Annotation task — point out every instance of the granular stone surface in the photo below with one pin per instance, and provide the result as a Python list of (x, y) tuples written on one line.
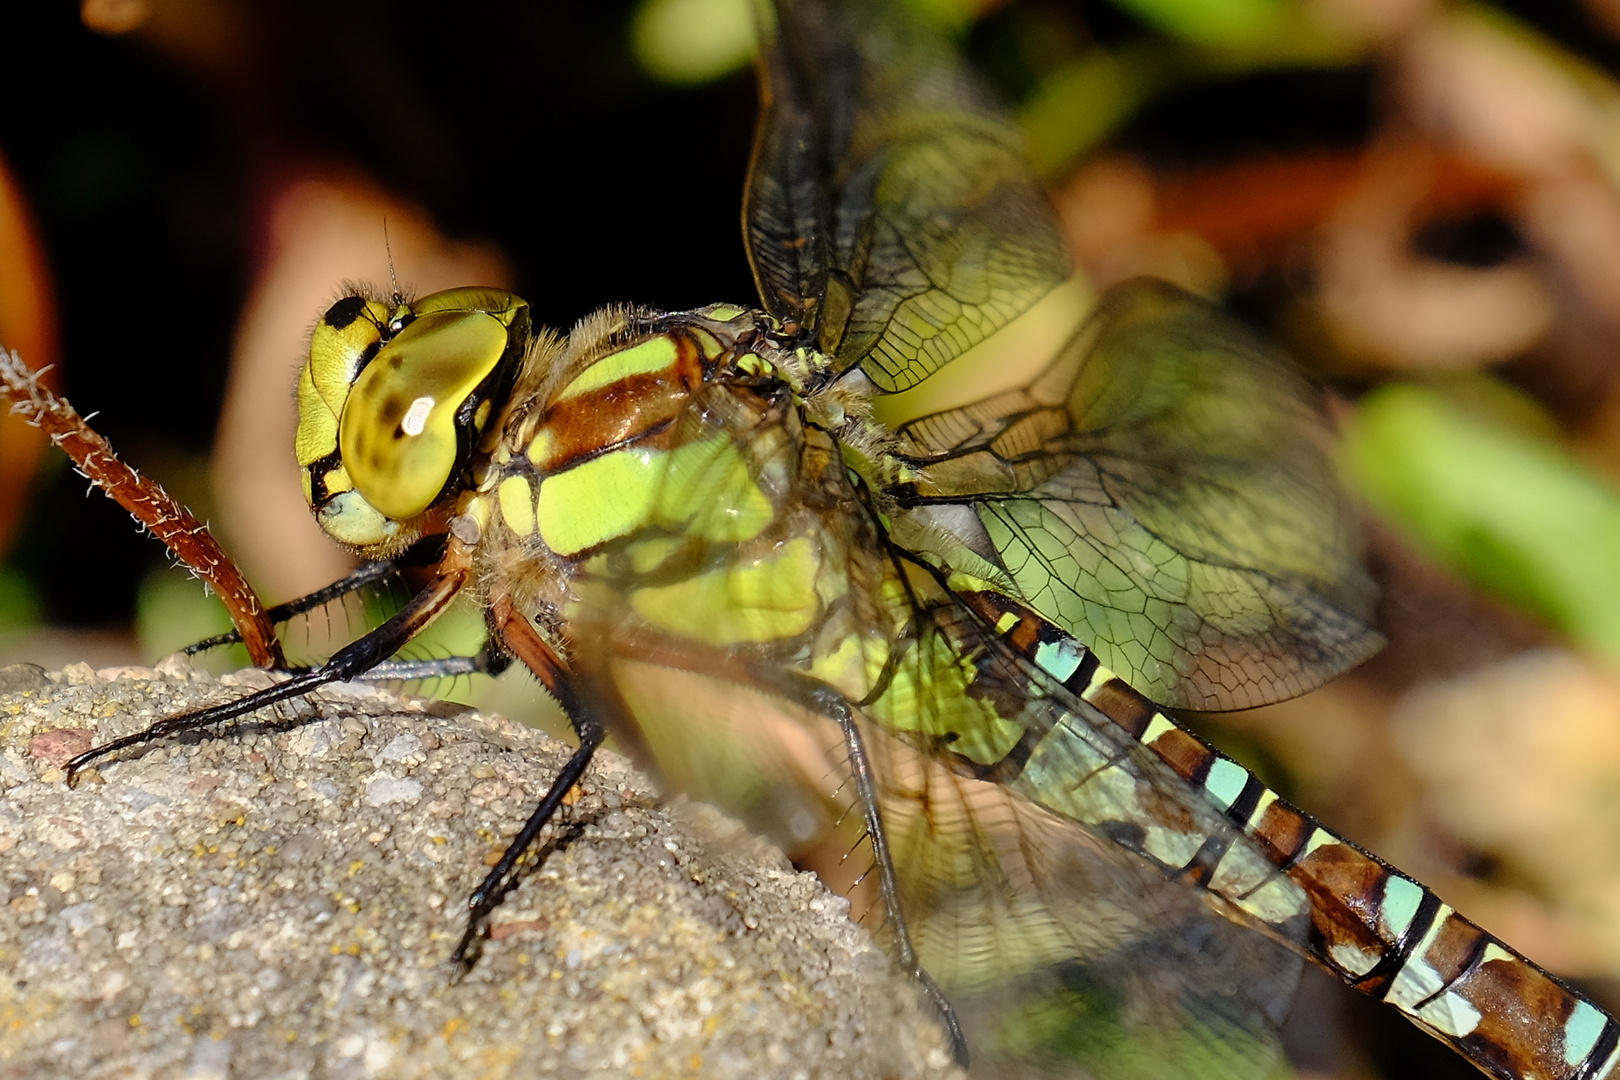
[(281, 903)]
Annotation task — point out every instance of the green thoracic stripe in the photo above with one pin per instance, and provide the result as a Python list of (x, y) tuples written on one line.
[(653, 355)]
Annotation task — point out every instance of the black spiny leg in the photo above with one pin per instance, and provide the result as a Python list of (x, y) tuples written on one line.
[(827, 701), (425, 552), (349, 662), (518, 637), (499, 881)]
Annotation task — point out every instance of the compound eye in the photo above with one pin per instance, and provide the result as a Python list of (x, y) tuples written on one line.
[(343, 339), (398, 433)]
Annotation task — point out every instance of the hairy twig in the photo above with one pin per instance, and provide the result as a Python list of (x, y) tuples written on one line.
[(153, 508)]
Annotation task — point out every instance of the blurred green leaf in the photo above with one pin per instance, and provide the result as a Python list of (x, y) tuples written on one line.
[(1084, 102), (172, 610), (1081, 103), (19, 600), (692, 41), (1210, 22), (1515, 515), (955, 16)]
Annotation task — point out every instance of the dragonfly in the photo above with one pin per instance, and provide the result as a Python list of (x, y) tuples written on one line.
[(839, 565)]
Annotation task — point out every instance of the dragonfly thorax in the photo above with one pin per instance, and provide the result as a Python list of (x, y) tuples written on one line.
[(657, 477)]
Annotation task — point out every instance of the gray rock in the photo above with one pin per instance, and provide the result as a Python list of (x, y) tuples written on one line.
[(281, 902)]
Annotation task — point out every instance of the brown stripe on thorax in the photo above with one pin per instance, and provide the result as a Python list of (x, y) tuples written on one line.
[(587, 424)]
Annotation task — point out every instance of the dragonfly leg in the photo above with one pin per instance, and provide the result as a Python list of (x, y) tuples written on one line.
[(349, 662), (830, 703), (518, 635), (423, 553), (486, 661), (493, 889)]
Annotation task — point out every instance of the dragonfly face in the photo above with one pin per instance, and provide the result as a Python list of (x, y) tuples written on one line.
[(949, 638), (393, 400)]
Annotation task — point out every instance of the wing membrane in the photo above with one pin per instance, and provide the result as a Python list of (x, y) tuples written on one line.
[(1038, 847), (890, 213), (1040, 876), (1065, 952), (1163, 492)]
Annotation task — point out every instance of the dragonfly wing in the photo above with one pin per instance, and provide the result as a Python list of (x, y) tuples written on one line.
[(890, 210), (1053, 874), (1064, 952), (1164, 493), (728, 578)]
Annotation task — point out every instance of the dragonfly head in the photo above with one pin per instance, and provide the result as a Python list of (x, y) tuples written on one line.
[(392, 401)]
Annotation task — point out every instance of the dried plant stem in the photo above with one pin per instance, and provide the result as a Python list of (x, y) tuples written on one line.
[(151, 506)]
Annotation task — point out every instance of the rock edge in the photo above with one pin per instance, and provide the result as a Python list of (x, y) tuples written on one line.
[(281, 901)]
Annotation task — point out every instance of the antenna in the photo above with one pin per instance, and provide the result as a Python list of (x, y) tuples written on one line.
[(393, 278)]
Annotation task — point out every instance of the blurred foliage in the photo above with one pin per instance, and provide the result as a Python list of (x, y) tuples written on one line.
[(693, 41), (1212, 22), (172, 610), (1512, 513), (1092, 96), (19, 601), (148, 181)]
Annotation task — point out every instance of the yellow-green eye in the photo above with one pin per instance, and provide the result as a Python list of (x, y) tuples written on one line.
[(349, 331), (392, 400), (398, 433)]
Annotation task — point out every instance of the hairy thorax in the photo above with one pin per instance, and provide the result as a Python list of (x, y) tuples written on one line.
[(666, 485)]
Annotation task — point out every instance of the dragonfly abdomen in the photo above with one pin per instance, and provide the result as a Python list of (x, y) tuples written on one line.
[(1380, 931), (1393, 938)]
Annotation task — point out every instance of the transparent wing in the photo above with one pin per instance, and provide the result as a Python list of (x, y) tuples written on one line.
[(1045, 861), (1163, 492), (890, 214), (1039, 850), (1064, 949)]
